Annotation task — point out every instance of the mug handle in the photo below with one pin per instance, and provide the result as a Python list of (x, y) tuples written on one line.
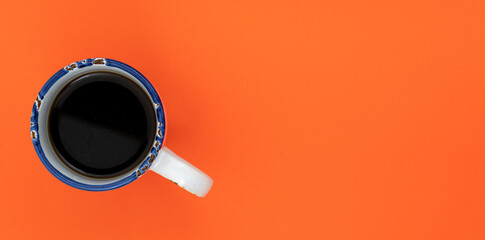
[(182, 173)]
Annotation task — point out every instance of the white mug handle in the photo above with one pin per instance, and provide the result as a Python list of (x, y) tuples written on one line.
[(182, 173)]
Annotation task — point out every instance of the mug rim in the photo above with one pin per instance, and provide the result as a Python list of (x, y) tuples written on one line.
[(137, 171)]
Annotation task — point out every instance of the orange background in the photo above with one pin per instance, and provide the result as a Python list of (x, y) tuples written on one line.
[(316, 119)]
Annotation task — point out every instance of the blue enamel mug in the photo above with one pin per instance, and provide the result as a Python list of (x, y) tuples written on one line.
[(98, 124)]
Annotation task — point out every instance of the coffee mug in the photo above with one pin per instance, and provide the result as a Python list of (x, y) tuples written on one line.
[(98, 124)]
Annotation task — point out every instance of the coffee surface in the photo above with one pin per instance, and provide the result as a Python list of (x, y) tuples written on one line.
[(102, 124)]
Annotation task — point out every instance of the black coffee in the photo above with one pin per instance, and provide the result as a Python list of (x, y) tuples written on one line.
[(102, 124)]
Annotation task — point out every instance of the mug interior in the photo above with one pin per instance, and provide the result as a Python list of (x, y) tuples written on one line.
[(40, 129)]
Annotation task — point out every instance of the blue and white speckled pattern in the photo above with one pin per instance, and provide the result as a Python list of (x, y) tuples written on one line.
[(34, 128)]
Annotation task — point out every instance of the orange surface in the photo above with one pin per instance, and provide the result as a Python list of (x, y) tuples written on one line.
[(316, 119)]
